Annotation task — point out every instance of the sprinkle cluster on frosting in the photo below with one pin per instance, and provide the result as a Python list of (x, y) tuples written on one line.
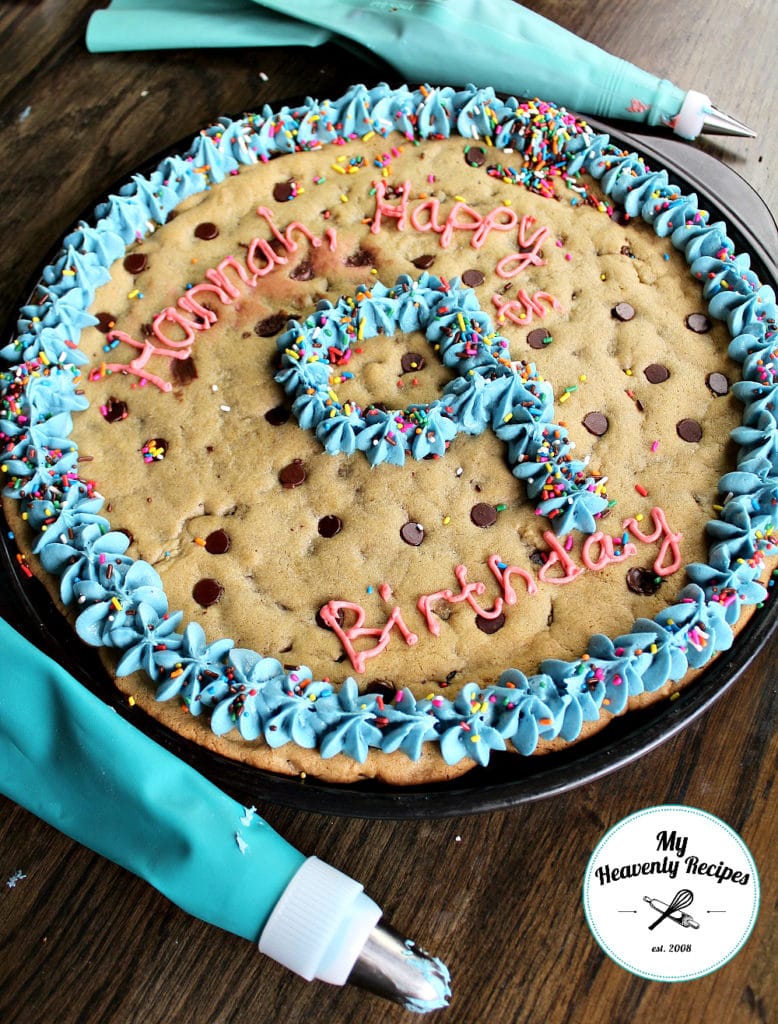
[(120, 602)]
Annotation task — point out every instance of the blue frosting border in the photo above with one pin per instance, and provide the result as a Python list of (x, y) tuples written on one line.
[(126, 608)]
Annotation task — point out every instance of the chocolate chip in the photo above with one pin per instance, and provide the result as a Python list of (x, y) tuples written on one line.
[(135, 262), (383, 688), (303, 271), (643, 581), (626, 251), (155, 449), (206, 231), (698, 323), (360, 258), (270, 325), (330, 526), (472, 278), (114, 410), (423, 262), (105, 322), (207, 592), (475, 156), (183, 371), (293, 475), (538, 338), (718, 383), (656, 373), (412, 361), (490, 626), (689, 430), (623, 311), (482, 514), (412, 534), (596, 423), (283, 191), (277, 416), (218, 542)]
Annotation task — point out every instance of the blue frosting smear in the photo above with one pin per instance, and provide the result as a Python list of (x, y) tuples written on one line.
[(435, 977), (253, 694)]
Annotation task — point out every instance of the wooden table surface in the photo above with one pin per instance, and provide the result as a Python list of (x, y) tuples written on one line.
[(496, 895)]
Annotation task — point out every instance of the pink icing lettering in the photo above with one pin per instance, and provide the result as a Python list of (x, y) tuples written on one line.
[(223, 281), (330, 613), (529, 250), (503, 573), (534, 240), (425, 603), (467, 590), (494, 221), (398, 212), (218, 285), (607, 554), (670, 541), (137, 366), (172, 316), (472, 222), (425, 216), (218, 276), (431, 207), (522, 309), (272, 258), (285, 238), (190, 305), (558, 556)]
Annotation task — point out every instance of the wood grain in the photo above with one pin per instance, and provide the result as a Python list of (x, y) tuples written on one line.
[(496, 895)]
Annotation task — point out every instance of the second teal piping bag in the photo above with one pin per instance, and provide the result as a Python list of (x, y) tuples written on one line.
[(501, 44), (172, 24), (77, 764)]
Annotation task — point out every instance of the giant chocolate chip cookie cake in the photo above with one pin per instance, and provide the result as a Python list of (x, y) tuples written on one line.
[(372, 436)]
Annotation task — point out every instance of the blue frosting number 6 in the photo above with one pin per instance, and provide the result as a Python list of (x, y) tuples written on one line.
[(489, 390)]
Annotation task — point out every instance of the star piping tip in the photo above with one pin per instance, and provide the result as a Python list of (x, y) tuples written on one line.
[(717, 122), (395, 968)]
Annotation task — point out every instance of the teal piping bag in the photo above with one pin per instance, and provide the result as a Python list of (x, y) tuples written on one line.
[(172, 24), (76, 763), (494, 43)]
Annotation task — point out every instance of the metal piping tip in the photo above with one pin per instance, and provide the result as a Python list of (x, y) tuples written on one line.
[(397, 969), (716, 122)]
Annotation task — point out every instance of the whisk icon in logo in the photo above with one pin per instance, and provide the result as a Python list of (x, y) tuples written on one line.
[(645, 875), (682, 899)]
